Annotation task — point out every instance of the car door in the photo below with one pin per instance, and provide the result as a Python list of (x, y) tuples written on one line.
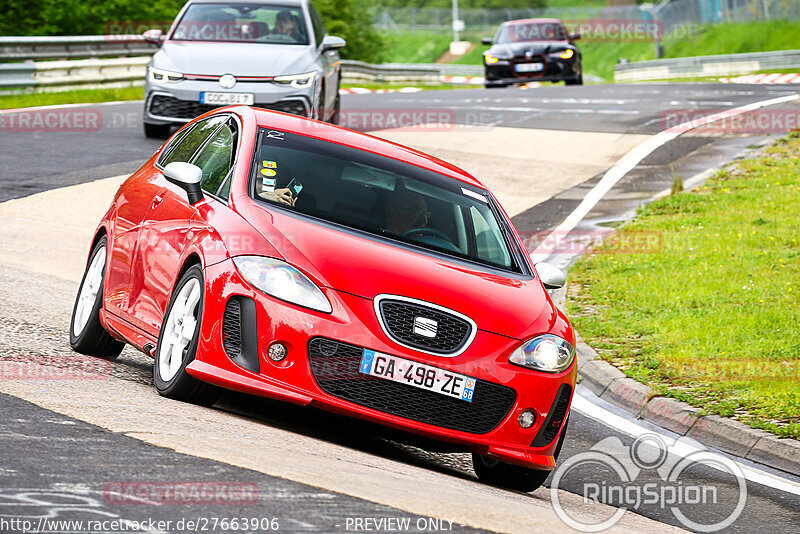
[(164, 232), (133, 207), (171, 226), (330, 64)]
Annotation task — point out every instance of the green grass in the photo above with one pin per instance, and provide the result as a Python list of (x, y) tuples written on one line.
[(599, 58), (712, 317), (418, 47), (77, 96)]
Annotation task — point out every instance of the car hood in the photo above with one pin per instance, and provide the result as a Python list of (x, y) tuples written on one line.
[(239, 59), (532, 47), (367, 267)]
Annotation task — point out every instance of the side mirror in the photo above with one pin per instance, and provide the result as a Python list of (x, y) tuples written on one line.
[(574, 37), (187, 177), (331, 42), (155, 36), (551, 277), (486, 41)]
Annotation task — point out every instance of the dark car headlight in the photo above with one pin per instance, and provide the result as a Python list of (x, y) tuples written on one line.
[(494, 60), (567, 54), (282, 281), (547, 353)]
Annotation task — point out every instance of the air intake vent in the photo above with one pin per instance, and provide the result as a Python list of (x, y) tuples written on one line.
[(335, 366), (239, 334), (423, 326), (555, 419)]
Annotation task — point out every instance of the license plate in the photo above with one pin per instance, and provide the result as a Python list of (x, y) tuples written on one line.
[(247, 99), (417, 374), (529, 67)]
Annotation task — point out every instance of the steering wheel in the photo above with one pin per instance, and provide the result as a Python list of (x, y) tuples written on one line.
[(426, 231)]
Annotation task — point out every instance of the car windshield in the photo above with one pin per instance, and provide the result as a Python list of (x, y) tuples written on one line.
[(255, 23), (379, 195), (520, 32)]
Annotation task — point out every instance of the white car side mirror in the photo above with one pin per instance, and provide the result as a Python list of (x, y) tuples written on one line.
[(552, 277)]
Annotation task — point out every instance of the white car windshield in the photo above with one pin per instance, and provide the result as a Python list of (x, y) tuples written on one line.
[(255, 23)]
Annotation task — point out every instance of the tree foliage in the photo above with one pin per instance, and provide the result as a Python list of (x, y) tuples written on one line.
[(349, 19)]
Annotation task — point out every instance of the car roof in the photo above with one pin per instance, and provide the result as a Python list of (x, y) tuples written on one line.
[(361, 141), (265, 2)]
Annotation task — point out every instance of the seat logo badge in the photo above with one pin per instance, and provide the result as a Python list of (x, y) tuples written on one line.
[(425, 327), (227, 81)]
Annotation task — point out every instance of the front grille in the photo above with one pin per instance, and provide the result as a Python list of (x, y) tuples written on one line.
[(175, 108), (232, 328), (335, 366), (398, 318), (533, 59), (555, 418)]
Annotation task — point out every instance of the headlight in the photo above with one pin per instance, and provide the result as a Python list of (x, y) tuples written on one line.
[(163, 76), (282, 281), (490, 60), (298, 81), (568, 53), (544, 353)]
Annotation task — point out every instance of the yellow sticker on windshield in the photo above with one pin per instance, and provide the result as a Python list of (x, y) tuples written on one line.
[(267, 172), (269, 164)]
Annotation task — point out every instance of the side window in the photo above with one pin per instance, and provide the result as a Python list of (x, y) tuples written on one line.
[(216, 157), (316, 23), (186, 146)]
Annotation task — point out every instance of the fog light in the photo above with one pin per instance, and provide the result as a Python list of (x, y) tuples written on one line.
[(277, 352), (526, 419)]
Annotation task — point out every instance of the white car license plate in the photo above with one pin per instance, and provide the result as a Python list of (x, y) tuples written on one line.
[(418, 375), (247, 99), (529, 67)]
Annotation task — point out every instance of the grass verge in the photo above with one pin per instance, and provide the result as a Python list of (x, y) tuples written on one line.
[(76, 96), (712, 317)]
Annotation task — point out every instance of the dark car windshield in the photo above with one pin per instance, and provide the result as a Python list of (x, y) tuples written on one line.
[(379, 195), (256, 23), (520, 32)]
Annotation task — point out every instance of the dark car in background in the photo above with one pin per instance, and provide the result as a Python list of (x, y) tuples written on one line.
[(272, 54), (532, 50)]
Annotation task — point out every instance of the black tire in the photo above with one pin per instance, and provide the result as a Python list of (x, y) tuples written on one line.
[(337, 106), (182, 386), (576, 81), (157, 131), (515, 477), (93, 340)]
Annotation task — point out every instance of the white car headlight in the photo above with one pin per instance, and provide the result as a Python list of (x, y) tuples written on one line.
[(282, 281), (544, 353), (298, 81), (163, 76)]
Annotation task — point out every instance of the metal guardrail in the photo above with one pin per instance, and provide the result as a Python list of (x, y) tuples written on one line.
[(99, 60), (83, 46), (700, 66)]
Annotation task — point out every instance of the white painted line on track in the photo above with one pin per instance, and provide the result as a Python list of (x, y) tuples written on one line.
[(683, 449), (630, 160)]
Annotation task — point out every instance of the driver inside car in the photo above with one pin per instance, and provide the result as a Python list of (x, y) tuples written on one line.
[(406, 211), (271, 174)]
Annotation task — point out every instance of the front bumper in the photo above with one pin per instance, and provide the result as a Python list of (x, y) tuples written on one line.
[(179, 102), (554, 70), (331, 380)]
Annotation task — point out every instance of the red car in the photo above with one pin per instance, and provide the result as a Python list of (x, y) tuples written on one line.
[(280, 256)]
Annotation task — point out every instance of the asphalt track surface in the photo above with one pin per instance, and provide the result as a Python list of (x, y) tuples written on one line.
[(76, 454)]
